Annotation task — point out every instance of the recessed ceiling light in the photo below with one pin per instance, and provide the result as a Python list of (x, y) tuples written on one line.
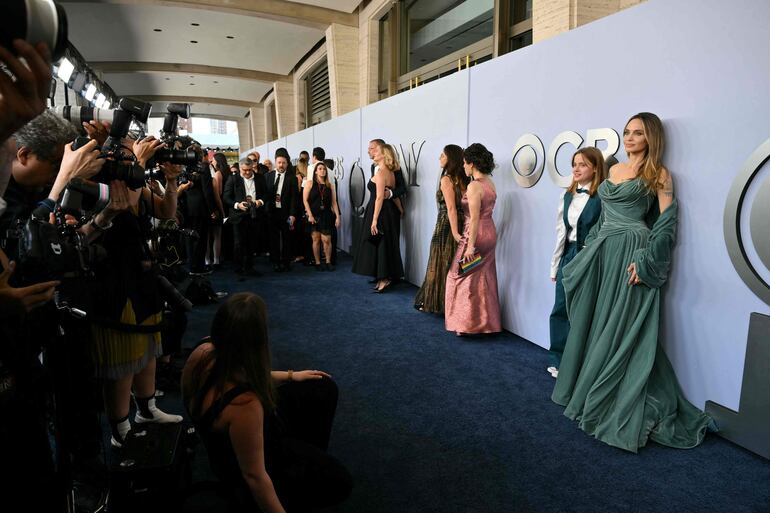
[(230, 37), (168, 78), (191, 83), (195, 24), (216, 81), (193, 41), (157, 30)]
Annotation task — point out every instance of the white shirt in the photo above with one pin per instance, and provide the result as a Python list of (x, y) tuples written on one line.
[(279, 187), (576, 207)]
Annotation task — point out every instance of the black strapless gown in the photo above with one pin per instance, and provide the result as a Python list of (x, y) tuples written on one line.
[(381, 259)]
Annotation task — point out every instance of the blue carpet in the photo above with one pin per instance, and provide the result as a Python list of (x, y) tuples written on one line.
[(430, 422)]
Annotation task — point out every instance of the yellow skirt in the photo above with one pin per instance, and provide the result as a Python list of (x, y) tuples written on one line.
[(117, 354)]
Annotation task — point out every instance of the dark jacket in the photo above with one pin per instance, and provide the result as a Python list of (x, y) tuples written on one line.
[(290, 199), (235, 191)]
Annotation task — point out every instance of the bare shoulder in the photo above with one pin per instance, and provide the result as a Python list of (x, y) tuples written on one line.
[(615, 169), (446, 182)]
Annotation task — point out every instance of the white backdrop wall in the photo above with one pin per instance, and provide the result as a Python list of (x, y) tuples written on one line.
[(341, 139), (709, 87)]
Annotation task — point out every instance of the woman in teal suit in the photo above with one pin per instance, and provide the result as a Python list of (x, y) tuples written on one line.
[(579, 209), (615, 378)]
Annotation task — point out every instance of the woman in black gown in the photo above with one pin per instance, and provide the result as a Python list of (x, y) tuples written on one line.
[(378, 254)]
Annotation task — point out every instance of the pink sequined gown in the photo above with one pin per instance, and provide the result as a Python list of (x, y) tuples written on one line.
[(472, 304)]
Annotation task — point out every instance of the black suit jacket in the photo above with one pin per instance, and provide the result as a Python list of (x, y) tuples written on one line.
[(200, 197), (400, 188), (235, 191), (290, 199)]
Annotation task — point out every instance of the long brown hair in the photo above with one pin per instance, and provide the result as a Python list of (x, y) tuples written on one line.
[(595, 159), (454, 167), (241, 353), (651, 165), (327, 182)]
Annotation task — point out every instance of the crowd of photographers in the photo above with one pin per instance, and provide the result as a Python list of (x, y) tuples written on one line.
[(86, 292)]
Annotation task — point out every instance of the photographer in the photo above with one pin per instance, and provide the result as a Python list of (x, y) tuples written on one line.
[(127, 311), (244, 197), (201, 210), (24, 389)]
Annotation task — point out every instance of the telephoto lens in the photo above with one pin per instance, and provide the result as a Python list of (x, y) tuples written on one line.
[(79, 115), (35, 21)]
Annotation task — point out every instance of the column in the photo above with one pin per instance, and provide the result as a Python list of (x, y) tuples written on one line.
[(552, 17), (342, 56), (257, 123), (284, 108)]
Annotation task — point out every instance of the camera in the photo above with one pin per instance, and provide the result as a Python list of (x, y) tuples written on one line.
[(118, 166), (35, 21), (173, 112), (251, 206)]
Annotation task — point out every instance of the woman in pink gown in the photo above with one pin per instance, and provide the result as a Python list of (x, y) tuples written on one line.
[(472, 304)]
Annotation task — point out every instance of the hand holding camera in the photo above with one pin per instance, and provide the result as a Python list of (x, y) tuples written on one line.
[(16, 300), (23, 100), (97, 130), (146, 148)]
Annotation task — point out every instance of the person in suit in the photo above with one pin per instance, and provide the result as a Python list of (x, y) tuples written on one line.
[(282, 202), (245, 200), (579, 209)]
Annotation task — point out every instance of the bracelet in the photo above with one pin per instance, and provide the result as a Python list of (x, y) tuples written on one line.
[(290, 373)]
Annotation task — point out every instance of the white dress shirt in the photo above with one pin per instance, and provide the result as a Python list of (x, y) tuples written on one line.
[(576, 207), (278, 187)]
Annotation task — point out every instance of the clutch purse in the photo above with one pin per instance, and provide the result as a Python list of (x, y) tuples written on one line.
[(466, 267), (375, 239)]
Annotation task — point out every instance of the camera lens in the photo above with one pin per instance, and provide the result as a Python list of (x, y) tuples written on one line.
[(35, 21)]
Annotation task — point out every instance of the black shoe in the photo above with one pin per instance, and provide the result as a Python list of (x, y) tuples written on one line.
[(374, 280), (328, 267), (318, 267)]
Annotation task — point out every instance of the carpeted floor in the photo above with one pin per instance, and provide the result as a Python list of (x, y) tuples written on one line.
[(430, 422)]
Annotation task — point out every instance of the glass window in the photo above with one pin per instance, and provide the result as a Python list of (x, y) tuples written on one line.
[(433, 29), (520, 41), (521, 10), (385, 55)]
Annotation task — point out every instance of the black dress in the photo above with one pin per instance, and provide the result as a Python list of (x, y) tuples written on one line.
[(296, 437), (379, 258), (321, 206)]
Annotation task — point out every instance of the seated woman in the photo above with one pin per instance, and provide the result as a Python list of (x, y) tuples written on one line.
[(266, 443)]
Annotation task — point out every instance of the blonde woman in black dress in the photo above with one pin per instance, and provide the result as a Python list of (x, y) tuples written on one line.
[(446, 234)]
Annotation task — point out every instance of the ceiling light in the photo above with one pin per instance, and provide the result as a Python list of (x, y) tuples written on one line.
[(100, 101), (230, 37), (90, 92), (191, 83), (195, 24), (157, 30), (194, 42), (65, 70), (168, 78), (216, 81)]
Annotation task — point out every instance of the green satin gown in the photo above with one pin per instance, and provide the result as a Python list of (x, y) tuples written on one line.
[(615, 378)]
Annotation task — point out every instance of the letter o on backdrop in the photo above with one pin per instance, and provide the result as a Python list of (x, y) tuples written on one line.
[(528, 160)]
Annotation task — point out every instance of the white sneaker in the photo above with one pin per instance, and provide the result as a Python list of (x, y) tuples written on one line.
[(158, 415), (553, 371), (115, 443)]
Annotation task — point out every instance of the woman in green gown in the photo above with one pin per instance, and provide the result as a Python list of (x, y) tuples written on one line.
[(615, 378)]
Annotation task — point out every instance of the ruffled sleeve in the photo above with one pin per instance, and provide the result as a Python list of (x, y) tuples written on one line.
[(654, 261)]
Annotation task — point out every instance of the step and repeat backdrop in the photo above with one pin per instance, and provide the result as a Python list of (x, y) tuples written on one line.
[(702, 65)]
